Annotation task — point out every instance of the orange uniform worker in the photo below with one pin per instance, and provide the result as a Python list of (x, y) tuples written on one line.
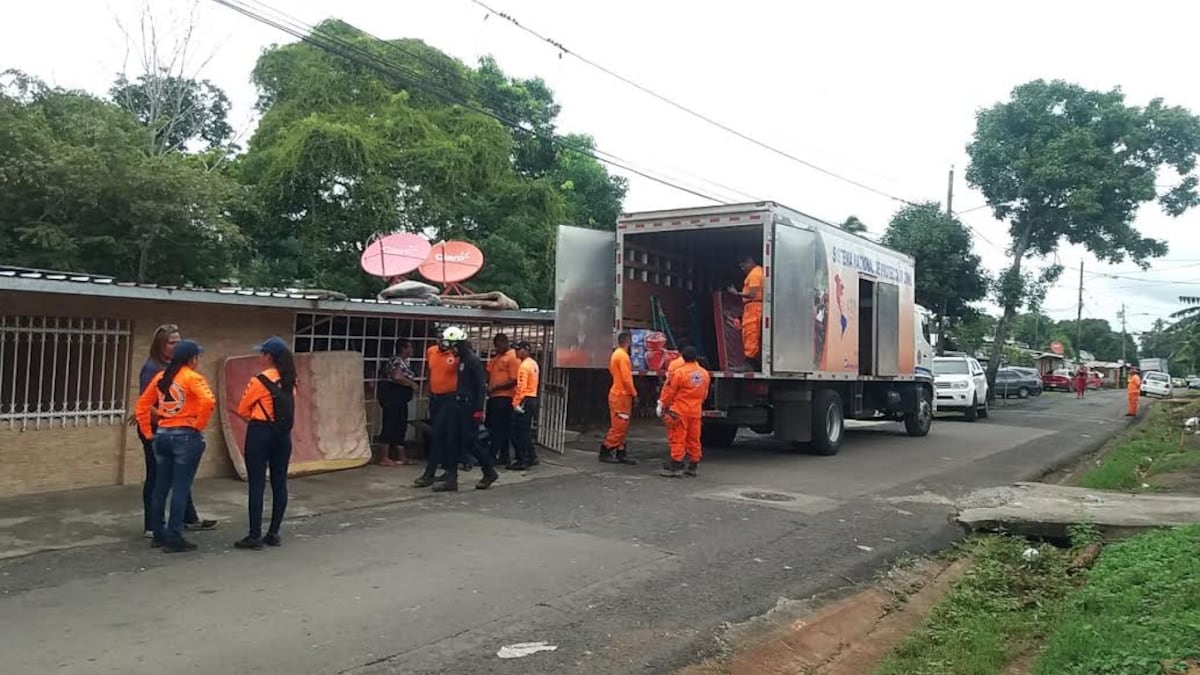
[(752, 309), (1132, 391), (441, 373), (525, 408), (681, 407), (620, 403), (181, 403), (502, 371), (269, 407)]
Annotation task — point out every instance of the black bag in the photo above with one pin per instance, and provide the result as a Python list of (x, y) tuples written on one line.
[(284, 403)]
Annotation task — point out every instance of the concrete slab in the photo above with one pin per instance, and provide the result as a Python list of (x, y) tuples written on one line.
[(308, 607), (1042, 510)]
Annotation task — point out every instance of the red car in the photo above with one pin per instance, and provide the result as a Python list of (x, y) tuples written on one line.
[(1059, 379), (1094, 380)]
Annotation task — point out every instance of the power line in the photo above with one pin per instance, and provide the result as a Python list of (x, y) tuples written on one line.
[(685, 109), (339, 47)]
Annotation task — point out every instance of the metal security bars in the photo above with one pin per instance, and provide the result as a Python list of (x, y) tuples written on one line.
[(375, 337), (63, 371)]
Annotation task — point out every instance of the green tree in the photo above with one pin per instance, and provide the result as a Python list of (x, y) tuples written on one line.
[(347, 149), (178, 111), (854, 225), (79, 190), (949, 274), (969, 334), (1060, 162), (1033, 329)]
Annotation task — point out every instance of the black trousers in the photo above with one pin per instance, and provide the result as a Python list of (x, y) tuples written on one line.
[(458, 440), (266, 448), (395, 416), (189, 515), (435, 452), (523, 432), (500, 427)]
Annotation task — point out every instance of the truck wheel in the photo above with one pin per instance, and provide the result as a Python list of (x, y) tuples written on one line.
[(715, 435), (828, 422), (918, 422), (972, 410)]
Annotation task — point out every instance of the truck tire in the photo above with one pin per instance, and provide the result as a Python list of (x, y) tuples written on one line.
[(972, 410), (918, 422), (828, 422), (715, 435)]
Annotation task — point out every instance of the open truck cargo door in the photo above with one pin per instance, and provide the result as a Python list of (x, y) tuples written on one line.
[(585, 291), (798, 314)]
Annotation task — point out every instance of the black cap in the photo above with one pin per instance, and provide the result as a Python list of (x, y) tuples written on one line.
[(522, 346)]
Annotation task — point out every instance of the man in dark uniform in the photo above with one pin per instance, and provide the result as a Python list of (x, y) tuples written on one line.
[(462, 418)]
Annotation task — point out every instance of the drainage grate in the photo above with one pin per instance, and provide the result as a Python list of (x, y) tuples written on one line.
[(767, 496)]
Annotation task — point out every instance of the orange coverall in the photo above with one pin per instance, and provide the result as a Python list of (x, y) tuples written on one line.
[(620, 399), (683, 405), (1132, 391), (752, 312)]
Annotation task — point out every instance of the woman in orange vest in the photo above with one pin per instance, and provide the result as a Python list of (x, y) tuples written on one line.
[(179, 401), (269, 408), (525, 408)]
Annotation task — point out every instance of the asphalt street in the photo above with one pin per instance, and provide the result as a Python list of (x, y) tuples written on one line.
[(620, 570)]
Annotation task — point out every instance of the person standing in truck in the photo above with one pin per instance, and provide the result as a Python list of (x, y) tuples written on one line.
[(752, 310), (621, 397), (681, 407)]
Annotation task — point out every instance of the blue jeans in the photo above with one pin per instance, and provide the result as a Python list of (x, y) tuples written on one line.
[(177, 453)]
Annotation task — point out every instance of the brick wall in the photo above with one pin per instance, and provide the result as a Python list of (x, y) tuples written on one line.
[(57, 459)]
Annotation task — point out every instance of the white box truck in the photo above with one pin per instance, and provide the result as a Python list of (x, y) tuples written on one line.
[(842, 337)]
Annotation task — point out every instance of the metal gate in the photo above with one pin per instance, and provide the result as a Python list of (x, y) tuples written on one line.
[(552, 422)]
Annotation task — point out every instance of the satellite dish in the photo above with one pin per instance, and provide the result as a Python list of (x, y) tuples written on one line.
[(395, 255), (452, 262)]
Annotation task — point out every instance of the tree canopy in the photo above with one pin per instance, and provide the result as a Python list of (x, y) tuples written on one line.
[(949, 273), (1061, 162), (346, 150), (80, 190)]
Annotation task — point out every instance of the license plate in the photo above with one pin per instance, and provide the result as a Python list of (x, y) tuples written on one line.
[(719, 414)]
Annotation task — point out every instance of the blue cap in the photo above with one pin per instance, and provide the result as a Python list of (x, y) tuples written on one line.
[(186, 350), (273, 346)]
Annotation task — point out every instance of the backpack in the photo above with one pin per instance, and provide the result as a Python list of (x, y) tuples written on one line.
[(284, 403)]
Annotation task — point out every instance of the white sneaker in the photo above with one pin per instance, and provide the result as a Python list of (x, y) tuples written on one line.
[(148, 534)]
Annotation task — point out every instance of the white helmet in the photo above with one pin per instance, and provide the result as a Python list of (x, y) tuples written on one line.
[(453, 335)]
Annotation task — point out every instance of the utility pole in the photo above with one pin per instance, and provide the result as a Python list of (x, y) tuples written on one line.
[(940, 347), (1124, 341), (1079, 318)]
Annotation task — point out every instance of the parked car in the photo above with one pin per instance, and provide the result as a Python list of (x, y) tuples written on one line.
[(1062, 380), (1094, 380), (1178, 383), (1019, 383), (962, 385), (1193, 381), (1155, 383)]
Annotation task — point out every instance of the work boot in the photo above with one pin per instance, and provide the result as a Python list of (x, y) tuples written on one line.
[(445, 486), (672, 470), (689, 469), (623, 458), (424, 481), (489, 476), (606, 455)]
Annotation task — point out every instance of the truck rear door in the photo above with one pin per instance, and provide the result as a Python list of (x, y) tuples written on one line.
[(585, 293)]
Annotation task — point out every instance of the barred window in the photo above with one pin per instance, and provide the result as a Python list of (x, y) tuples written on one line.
[(63, 371)]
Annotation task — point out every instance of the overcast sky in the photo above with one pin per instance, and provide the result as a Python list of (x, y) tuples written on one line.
[(882, 92)]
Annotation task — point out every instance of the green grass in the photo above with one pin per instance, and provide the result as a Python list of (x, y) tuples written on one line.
[(1141, 606), (1150, 449), (1002, 605)]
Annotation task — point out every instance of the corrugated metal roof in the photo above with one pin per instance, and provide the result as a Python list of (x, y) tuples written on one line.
[(23, 279)]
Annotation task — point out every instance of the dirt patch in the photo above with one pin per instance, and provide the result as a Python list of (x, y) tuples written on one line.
[(848, 636)]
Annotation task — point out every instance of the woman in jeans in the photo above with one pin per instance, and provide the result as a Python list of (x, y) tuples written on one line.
[(268, 406), (181, 401), (162, 347)]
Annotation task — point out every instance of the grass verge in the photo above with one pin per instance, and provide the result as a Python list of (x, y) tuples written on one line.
[(1152, 449), (1004, 604), (1138, 613)]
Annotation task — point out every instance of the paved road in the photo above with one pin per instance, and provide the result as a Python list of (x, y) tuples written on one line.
[(622, 570)]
